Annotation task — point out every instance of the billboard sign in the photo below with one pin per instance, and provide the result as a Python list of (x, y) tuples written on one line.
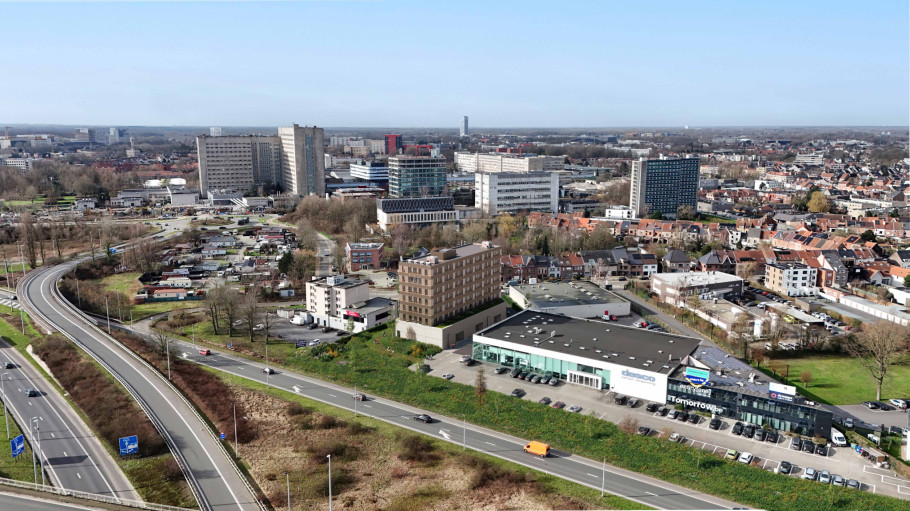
[(697, 377), (784, 393)]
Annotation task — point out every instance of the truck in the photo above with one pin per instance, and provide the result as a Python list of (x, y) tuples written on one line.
[(538, 448)]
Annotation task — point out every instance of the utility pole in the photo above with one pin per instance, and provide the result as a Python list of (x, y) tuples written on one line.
[(193, 327), (603, 480), (464, 432), (288, 477), (167, 349), (78, 294), (267, 369), (236, 452), (5, 418), (37, 429), (22, 320), (329, 456), (107, 311), (355, 400)]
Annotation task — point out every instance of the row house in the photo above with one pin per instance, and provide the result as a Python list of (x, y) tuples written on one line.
[(521, 268)]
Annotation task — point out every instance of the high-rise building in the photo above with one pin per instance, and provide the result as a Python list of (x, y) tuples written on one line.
[(662, 186), (85, 135), (513, 192), (464, 126), (495, 162), (370, 171), (448, 282), (416, 176), (241, 163), (302, 160), (117, 135), (393, 144), (215, 131)]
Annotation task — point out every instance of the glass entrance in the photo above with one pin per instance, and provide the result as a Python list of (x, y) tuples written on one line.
[(585, 379)]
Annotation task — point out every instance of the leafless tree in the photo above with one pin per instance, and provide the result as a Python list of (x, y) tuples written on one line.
[(213, 306), (29, 235), (805, 377), (877, 347), (628, 424), (480, 387), (249, 311), (230, 306), (267, 322)]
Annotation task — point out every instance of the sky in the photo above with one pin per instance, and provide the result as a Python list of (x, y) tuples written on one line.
[(398, 63)]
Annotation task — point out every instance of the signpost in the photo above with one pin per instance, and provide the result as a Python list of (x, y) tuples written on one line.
[(17, 445), (129, 445), (697, 377), (222, 435), (299, 344)]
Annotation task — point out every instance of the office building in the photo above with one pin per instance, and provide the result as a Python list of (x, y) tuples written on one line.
[(449, 294), (393, 144), (117, 135), (496, 162), (579, 299), (816, 159), (416, 176), (791, 279), (23, 164), (182, 196), (676, 288), (363, 256), (513, 192), (215, 131), (85, 135), (345, 304), (372, 171), (463, 131), (302, 160), (421, 211), (662, 186), (242, 163)]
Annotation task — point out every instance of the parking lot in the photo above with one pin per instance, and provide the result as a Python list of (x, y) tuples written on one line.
[(283, 329), (839, 460)]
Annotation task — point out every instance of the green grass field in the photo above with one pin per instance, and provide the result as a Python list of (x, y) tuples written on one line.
[(126, 283), (150, 309), (13, 268), (840, 380), (19, 468)]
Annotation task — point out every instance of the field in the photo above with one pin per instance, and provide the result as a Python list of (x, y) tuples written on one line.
[(840, 380), (379, 466), (126, 283)]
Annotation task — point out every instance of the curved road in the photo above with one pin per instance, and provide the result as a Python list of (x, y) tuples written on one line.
[(211, 472)]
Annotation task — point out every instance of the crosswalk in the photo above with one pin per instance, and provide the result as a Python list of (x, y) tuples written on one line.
[(5, 302)]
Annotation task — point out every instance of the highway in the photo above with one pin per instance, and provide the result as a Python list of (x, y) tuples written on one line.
[(210, 471), (30, 503), (642, 489)]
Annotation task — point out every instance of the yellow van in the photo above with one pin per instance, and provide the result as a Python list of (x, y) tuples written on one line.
[(538, 448)]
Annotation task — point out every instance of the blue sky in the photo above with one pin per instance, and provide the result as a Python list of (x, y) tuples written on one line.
[(505, 64)]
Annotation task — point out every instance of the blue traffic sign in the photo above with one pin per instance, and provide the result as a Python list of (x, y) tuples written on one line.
[(222, 435), (113, 250), (129, 445), (17, 445)]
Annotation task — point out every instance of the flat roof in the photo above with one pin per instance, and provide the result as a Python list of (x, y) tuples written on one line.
[(696, 278), (460, 251), (596, 340), (734, 372), (563, 294)]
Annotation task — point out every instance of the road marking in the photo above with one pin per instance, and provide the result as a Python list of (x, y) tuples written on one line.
[(65, 454), (649, 493), (333, 395), (490, 443), (592, 475), (53, 436), (78, 475), (367, 406)]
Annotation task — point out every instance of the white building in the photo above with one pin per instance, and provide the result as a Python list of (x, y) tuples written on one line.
[(618, 213), (791, 279), (676, 288), (302, 160), (84, 204), (513, 192), (506, 162), (421, 211), (215, 131), (370, 171), (183, 196), (810, 159), (23, 164), (340, 303), (578, 299)]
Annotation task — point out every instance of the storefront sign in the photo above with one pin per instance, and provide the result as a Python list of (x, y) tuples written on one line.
[(784, 393), (353, 314), (697, 377), (696, 404)]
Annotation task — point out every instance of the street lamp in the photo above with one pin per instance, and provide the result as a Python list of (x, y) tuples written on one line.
[(5, 418), (267, 369), (236, 452), (167, 351), (288, 477), (464, 432), (329, 456), (37, 429)]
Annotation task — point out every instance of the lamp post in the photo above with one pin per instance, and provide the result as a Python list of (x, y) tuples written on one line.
[(329, 456), (603, 480), (267, 369), (288, 477), (464, 432), (107, 311), (167, 351), (5, 418), (193, 327), (234, 407), (355, 400), (37, 430), (22, 320)]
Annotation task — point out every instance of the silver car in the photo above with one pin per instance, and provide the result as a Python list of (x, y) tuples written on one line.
[(824, 477), (574, 408)]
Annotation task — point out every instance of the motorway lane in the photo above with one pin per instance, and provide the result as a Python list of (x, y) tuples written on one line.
[(74, 457), (221, 487), (627, 484), (9, 501)]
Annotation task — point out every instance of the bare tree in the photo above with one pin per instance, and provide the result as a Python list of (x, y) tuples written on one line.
[(29, 235), (249, 312), (230, 306), (267, 322), (480, 387), (805, 377), (213, 305), (628, 424), (877, 347)]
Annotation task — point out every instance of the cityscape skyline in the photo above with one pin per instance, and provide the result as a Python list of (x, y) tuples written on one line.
[(796, 69)]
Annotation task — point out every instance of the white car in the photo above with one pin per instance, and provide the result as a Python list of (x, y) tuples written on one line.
[(316, 342), (810, 474), (824, 477), (900, 404), (745, 458), (676, 437), (448, 376)]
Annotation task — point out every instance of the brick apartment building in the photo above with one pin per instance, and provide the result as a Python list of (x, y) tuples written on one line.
[(363, 256)]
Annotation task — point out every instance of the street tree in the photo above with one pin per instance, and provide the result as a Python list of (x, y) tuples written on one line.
[(877, 347), (249, 312), (818, 203), (213, 305), (480, 387), (230, 306)]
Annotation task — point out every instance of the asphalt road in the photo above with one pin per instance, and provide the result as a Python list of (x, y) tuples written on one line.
[(23, 503), (627, 484), (212, 472), (73, 457), (325, 254)]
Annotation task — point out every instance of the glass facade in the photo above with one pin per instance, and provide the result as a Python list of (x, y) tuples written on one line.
[(539, 364), (792, 417)]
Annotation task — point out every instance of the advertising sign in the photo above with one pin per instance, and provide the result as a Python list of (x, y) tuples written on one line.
[(353, 314), (780, 392), (697, 377)]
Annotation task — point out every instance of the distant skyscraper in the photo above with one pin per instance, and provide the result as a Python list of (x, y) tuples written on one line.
[(133, 151), (662, 186), (416, 176), (215, 131), (392, 144), (464, 126), (239, 163), (302, 160), (85, 135), (117, 135)]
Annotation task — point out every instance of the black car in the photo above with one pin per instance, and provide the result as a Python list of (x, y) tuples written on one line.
[(10, 365), (535, 379), (821, 450), (714, 424), (772, 437), (31, 392), (738, 428), (544, 401), (423, 418), (683, 416), (644, 431), (663, 411), (633, 403), (785, 467), (515, 372), (500, 370), (760, 435), (522, 375), (749, 431), (620, 399), (796, 444), (694, 418), (528, 377), (652, 407), (884, 406), (808, 447), (518, 393), (424, 368), (554, 381), (544, 380)]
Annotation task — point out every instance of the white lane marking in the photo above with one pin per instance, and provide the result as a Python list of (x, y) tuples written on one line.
[(649, 493), (367, 406), (78, 475), (53, 435), (592, 475), (65, 454), (490, 443), (444, 434), (333, 395)]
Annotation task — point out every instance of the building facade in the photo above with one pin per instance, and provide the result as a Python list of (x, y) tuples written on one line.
[(393, 144), (241, 163), (497, 162), (416, 176), (463, 129), (370, 171), (363, 256), (421, 211), (302, 160), (345, 304), (676, 288), (662, 186), (791, 279), (513, 192)]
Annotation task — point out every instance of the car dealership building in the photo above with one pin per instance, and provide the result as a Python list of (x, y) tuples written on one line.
[(647, 365)]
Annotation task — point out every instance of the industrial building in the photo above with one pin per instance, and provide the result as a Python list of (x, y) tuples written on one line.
[(578, 299)]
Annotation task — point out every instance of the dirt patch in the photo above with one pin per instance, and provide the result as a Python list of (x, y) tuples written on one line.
[(374, 469)]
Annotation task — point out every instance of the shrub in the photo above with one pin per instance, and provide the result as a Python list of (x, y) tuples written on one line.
[(417, 448)]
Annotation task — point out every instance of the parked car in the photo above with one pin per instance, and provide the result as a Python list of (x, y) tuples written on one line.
[(897, 403), (731, 455), (824, 477), (672, 414), (676, 438), (554, 381), (559, 405), (536, 379), (663, 411), (544, 401), (652, 407), (620, 399), (694, 418), (448, 376), (633, 403), (785, 467), (884, 406), (745, 458), (749, 431), (837, 480), (853, 483), (760, 435), (683, 416), (821, 450), (810, 473), (515, 372), (500, 370), (796, 444), (808, 446), (870, 405), (423, 418), (644, 430), (738, 428), (848, 423), (773, 437), (574, 408), (714, 424), (518, 393)]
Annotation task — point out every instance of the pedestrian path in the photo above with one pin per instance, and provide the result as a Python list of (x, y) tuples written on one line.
[(5, 302)]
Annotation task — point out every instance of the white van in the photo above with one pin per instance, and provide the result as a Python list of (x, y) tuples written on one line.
[(838, 438), (299, 320)]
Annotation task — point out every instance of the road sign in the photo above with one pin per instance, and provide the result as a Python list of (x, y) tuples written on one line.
[(697, 377), (129, 445), (17, 445), (230, 345), (222, 435), (113, 250)]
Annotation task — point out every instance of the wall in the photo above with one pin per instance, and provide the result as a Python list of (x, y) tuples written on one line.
[(445, 338)]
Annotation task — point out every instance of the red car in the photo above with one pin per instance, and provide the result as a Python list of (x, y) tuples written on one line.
[(612, 318), (205, 352), (558, 405)]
